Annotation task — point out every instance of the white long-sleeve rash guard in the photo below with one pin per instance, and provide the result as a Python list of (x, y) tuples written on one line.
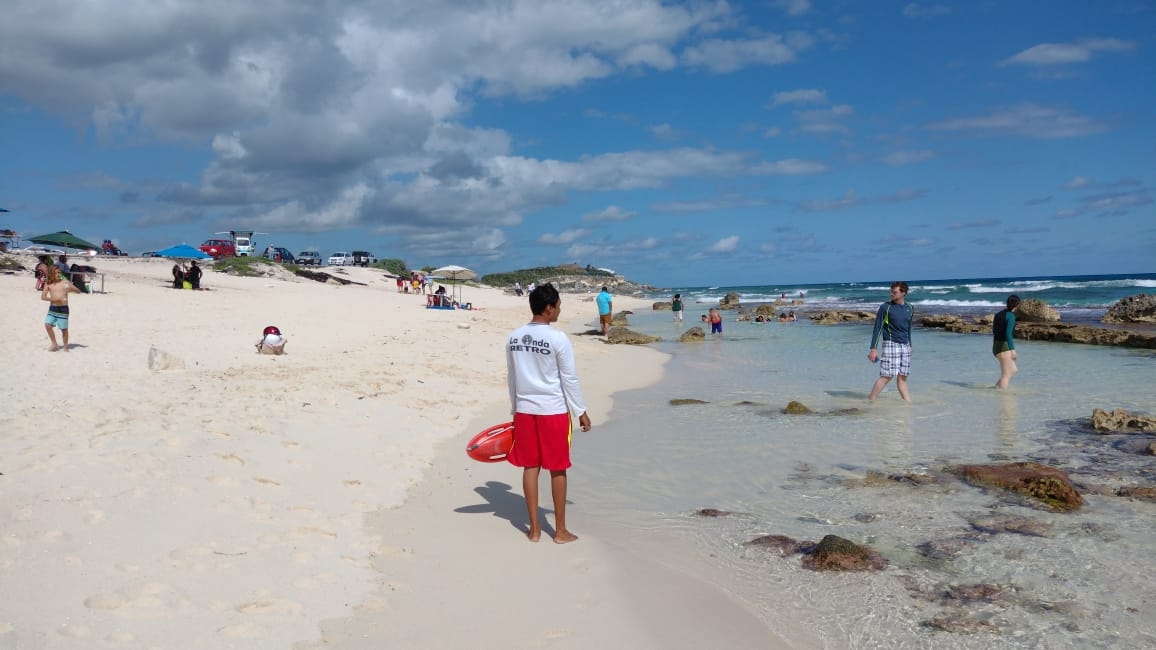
[(540, 372)]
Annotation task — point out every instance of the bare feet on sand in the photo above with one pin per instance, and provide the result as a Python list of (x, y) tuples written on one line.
[(53, 348), (564, 537), (534, 535)]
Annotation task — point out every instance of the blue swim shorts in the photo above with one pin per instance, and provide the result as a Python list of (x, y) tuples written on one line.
[(57, 316)]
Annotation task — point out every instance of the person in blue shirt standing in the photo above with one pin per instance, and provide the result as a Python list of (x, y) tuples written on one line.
[(605, 309), (893, 324)]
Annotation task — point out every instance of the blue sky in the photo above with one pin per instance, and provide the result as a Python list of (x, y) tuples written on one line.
[(678, 143)]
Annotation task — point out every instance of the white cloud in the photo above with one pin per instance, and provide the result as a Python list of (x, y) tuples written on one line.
[(724, 56), (801, 96), (663, 132), (563, 238), (790, 166), (968, 225), (1081, 51), (1078, 183), (851, 199), (772, 132), (724, 245), (900, 158), (824, 120), (794, 7), (611, 213), (1027, 120)]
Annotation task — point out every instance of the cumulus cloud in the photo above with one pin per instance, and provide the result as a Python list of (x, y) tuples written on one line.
[(801, 96), (611, 213), (724, 245), (563, 238), (722, 56), (824, 120), (794, 7), (852, 199), (1082, 51), (1025, 120), (347, 114)]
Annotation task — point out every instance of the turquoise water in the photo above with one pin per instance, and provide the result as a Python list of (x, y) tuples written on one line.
[(1079, 298), (640, 477)]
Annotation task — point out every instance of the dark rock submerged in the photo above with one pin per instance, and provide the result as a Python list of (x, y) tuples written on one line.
[(1044, 485)]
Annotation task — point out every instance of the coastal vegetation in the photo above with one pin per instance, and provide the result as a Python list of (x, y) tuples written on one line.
[(541, 274), (247, 266), (394, 266)]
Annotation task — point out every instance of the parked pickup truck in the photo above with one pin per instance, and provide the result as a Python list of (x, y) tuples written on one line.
[(309, 258), (340, 259), (363, 258)]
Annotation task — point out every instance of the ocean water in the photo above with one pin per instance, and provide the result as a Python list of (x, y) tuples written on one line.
[(1079, 298), (1084, 582)]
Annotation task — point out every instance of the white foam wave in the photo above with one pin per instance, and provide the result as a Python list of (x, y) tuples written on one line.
[(959, 303)]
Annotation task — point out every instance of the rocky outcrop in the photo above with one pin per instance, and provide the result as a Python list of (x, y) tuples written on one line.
[(834, 553), (1018, 524), (1121, 421), (796, 408), (832, 317), (953, 323), (662, 306), (712, 512), (695, 333), (621, 335), (730, 301), (683, 401), (1140, 308), (1044, 485), (1055, 332), (781, 543), (619, 319), (1142, 492), (1034, 310), (1064, 333)]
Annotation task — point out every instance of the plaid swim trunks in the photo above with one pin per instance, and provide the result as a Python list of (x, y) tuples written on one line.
[(895, 359)]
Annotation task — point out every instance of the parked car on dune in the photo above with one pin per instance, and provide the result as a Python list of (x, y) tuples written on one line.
[(363, 258), (340, 258), (309, 258), (279, 254), (218, 248)]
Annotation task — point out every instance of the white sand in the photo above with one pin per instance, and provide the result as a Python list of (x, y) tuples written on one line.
[(241, 500)]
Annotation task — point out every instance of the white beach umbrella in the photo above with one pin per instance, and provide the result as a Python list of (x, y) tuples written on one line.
[(455, 272)]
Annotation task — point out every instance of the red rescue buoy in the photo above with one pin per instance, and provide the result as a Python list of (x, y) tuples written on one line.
[(493, 444)]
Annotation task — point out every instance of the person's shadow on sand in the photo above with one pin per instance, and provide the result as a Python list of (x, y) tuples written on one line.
[(506, 504)]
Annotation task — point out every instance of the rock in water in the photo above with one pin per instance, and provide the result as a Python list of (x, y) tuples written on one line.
[(693, 334), (622, 335), (1120, 420), (1045, 485), (1034, 310), (834, 553), (1133, 309), (796, 408)]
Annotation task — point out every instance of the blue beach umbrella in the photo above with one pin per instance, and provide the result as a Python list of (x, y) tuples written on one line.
[(184, 252)]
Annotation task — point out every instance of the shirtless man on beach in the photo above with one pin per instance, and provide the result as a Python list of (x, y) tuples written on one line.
[(544, 391), (56, 290)]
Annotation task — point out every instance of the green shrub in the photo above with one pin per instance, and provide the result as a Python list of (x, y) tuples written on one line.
[(394, 266), (248, 267)]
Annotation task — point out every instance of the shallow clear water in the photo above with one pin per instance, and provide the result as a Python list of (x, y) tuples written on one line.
[(1086, 583)]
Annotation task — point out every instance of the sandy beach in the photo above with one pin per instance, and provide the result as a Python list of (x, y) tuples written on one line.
[(320, 499)]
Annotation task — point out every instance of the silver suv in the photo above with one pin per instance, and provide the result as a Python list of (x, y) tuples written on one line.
[(309, 258)]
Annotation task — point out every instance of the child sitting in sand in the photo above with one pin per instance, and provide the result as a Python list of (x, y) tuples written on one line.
[(271, 341)]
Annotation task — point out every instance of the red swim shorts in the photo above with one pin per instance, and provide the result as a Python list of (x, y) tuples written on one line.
[(541, 441)]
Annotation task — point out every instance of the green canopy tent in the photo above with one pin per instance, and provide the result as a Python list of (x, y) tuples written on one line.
[(64, 239)]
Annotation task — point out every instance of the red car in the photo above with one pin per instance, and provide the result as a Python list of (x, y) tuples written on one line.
[(219, 248)]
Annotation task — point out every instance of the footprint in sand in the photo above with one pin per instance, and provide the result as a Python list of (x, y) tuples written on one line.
[(242, 631), (73, 631), (93, 517), (232, 458)]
